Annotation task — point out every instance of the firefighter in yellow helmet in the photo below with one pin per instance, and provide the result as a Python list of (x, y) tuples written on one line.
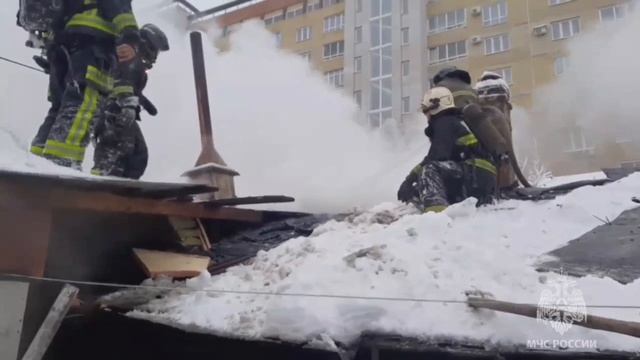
[(84, 43), (456, 166)]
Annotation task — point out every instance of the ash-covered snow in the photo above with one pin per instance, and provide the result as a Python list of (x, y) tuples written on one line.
[(398, 253)]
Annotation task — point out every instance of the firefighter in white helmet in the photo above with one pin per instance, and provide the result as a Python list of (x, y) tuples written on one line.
[(456, 166), (494, 96)]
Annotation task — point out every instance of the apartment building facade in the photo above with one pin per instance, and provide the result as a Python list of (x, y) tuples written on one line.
[(527, 42), (385, 57), (383, 53), (314, 29)]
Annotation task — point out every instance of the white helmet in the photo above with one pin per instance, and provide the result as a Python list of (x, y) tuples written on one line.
[(437, 99), (492, 86)]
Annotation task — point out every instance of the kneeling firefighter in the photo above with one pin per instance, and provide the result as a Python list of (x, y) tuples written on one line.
[(83, 40), (487, 121), (120, 146), (456, 166)]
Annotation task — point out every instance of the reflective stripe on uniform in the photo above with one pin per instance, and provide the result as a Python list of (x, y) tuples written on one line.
[(483, 164), (435, 208), (467, 140), (122, 90), (84, 117), (92, 20), (123, 21), (36, 150), (63, 151), (99, 79)]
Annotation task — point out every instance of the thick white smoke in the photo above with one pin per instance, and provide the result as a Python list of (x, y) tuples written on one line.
[(274, 119), (597, 93)]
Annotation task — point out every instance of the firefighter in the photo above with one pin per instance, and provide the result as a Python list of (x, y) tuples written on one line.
[(120, 146), (494, 92), (83, 41), (456, 166)]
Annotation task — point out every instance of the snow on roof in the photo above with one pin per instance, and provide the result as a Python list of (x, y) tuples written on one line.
[(427, 256)]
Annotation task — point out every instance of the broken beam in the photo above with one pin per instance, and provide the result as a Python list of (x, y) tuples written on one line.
[(99, 201), (51, 324)]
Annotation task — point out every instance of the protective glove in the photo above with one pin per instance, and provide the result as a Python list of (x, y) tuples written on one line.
[(43, 62), (124, 109), (406, 192)]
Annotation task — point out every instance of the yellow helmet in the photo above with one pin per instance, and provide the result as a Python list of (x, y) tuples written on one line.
[(437, 99)]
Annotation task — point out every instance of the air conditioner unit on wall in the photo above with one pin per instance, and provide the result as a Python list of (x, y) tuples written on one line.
[(476, 11), (540, 30), (476, 40)]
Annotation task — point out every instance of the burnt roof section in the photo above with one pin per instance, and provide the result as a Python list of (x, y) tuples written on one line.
[(610, 250)]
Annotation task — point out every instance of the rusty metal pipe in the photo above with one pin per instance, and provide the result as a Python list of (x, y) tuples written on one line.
[(208, 153)]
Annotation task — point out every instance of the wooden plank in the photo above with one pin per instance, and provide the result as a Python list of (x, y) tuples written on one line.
[(250, 200), (14, 302), (99, 201), (206, 243), (157, 263), (135, 188), (51, 324), (590, 321)]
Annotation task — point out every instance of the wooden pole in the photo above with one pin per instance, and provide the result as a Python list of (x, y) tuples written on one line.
[(591, 321), (51, 324)]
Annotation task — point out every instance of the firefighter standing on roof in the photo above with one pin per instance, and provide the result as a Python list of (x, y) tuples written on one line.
[(84, 41), (456, 166), (120, 146)]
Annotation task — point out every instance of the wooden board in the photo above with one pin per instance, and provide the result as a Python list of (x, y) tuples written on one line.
[(250, 200), (174, 265), (125, 187)]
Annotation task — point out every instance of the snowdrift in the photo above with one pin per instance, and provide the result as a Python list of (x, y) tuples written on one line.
[(412, 256)]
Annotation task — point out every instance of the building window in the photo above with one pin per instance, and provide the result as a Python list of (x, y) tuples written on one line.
[(612, 13), (331, 2), (505, 73), (495, 14), (447, 21), (278, 39), (358, 5), (497, 44), (306, 55), (405, 36), (405, 7), (273, 18), (357, 97), (335, 78), (334, 23), (381, 89), (558, 2), (313, 5), (405, 68), (448, 52), (577, 141), (565, 29), (295, 11), (560, 65), (406, 105), (357, 35), (303, 34), (378, 118), (357, 64), (333, 50)]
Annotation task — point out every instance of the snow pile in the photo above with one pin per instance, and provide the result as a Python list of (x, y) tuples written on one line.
[(390, 251)]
